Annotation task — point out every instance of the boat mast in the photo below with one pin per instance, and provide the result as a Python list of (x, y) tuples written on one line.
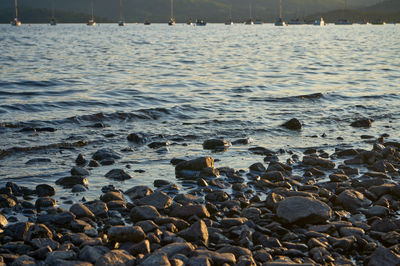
[(92, 10), (172, 9), (120, 10), (52, 10), (250, 9), (280, 9), (16, 9)]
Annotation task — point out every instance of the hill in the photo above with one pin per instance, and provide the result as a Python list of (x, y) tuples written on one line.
[(211, 10)]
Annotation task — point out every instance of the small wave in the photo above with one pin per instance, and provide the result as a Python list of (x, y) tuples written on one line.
[(313, 96)]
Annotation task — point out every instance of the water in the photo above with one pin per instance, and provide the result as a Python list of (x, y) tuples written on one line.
[(187, 84)]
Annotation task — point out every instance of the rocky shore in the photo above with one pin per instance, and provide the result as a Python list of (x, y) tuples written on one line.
[(343, 209)]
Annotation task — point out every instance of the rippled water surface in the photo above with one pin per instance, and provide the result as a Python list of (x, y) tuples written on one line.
[(187, 84)]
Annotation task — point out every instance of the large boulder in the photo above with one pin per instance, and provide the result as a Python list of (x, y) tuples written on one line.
[(299, 209)]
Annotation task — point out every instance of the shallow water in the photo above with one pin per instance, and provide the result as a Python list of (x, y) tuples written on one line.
[(187, 84)]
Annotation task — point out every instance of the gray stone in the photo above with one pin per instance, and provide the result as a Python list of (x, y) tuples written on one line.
[(229, 222), (140, 248), (141, 213), (158, 199), (98, 208), (126, 233), (303, 209), (118, 174), (78, 188)]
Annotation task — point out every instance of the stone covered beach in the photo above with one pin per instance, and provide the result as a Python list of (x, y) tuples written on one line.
[(313, 208)]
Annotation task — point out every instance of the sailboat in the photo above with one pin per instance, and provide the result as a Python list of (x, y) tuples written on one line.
[(53, 20), (250, 21), (229, 21), (280, 21), (16, 22), (319, 22), (91, 22), (121, 21), (171, 21)]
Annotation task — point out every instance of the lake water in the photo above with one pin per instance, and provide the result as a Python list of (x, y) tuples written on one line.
[(188, 84)]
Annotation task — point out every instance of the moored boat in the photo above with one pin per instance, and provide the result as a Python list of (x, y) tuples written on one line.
[(319, 22), (16, 22), (200, 22)]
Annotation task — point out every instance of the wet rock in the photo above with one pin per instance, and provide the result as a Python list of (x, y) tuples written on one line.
[(217, 196), (197, 233), (44, 190), (38, 231), (352, 200), (190, 210), (80, 159), (126, 233), (257, 167), (261, 151), (98, 208), (81, 211), (158, 144), (44, 203), (118, 174), (303, 209), (70, 181), (104, 154), (138, 192), (78, 188), (6, 201), (215, 144), (293, 124), (156, 259), (158, 199), (38, 161), (161, 183), (316, 161), (79, 171), (243, 141), (136, 138), (141, 213), (338, 178), (93, 163), (196, 164), (41, 252), (112, 195), (92, 254), (3, 221), (116, 257), (362, 123), (216, 258), (384, 225), (179, 223), (383, 256)]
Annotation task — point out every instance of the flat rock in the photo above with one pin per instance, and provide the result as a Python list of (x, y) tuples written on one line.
[(158, 199), (118, 174), (317, 161), (141, 213), (229, 222), (138, 192), (81, 211), (116, 257), (190, 210), (303, 209), (126, 233), (103, 154), (70, 181), (112, 195), (352, 200)]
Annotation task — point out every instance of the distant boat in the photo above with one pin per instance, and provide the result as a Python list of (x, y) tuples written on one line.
[(53, 20), (91, 21), (319, 22), (190, 22), (343, 22), (147, 22), (171, 21), (280, 21), (200, 22), (296, 22), (229, 21), (378, 22), (121, 21), (16, 22), (250, 21), (258, 22), (363, 22)]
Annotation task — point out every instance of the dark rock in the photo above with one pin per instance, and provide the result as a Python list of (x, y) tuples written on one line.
[(78, 188), (257, 167), (141, 213), (216, 258), (351, 231), (215, 144), (176, 248), (6, 201), (118, 174), (116, 257), (199, 261), (94, 163), (186, 199), (44, 203), (338, 178), (293, 124), (261, 151), (46, 129), (244, 141), (158, 199), (179, 223), (383, 256), (159, 259), (126, 233), (80, 159), (43, 242), (197, 233), (136, 137), (106, 154), (190, 210), (316, 161), (38, 161), (362, 123), (112, 195), (158, 144), (70, 181), (24, 260), (303, 209), (161, 183), (41, 253), (79, 171), (92, 254), (81, 211), (352, 200), (138, 192), (98, 208), (229, 222), (140, 248), (44, 190), (378, 211)]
